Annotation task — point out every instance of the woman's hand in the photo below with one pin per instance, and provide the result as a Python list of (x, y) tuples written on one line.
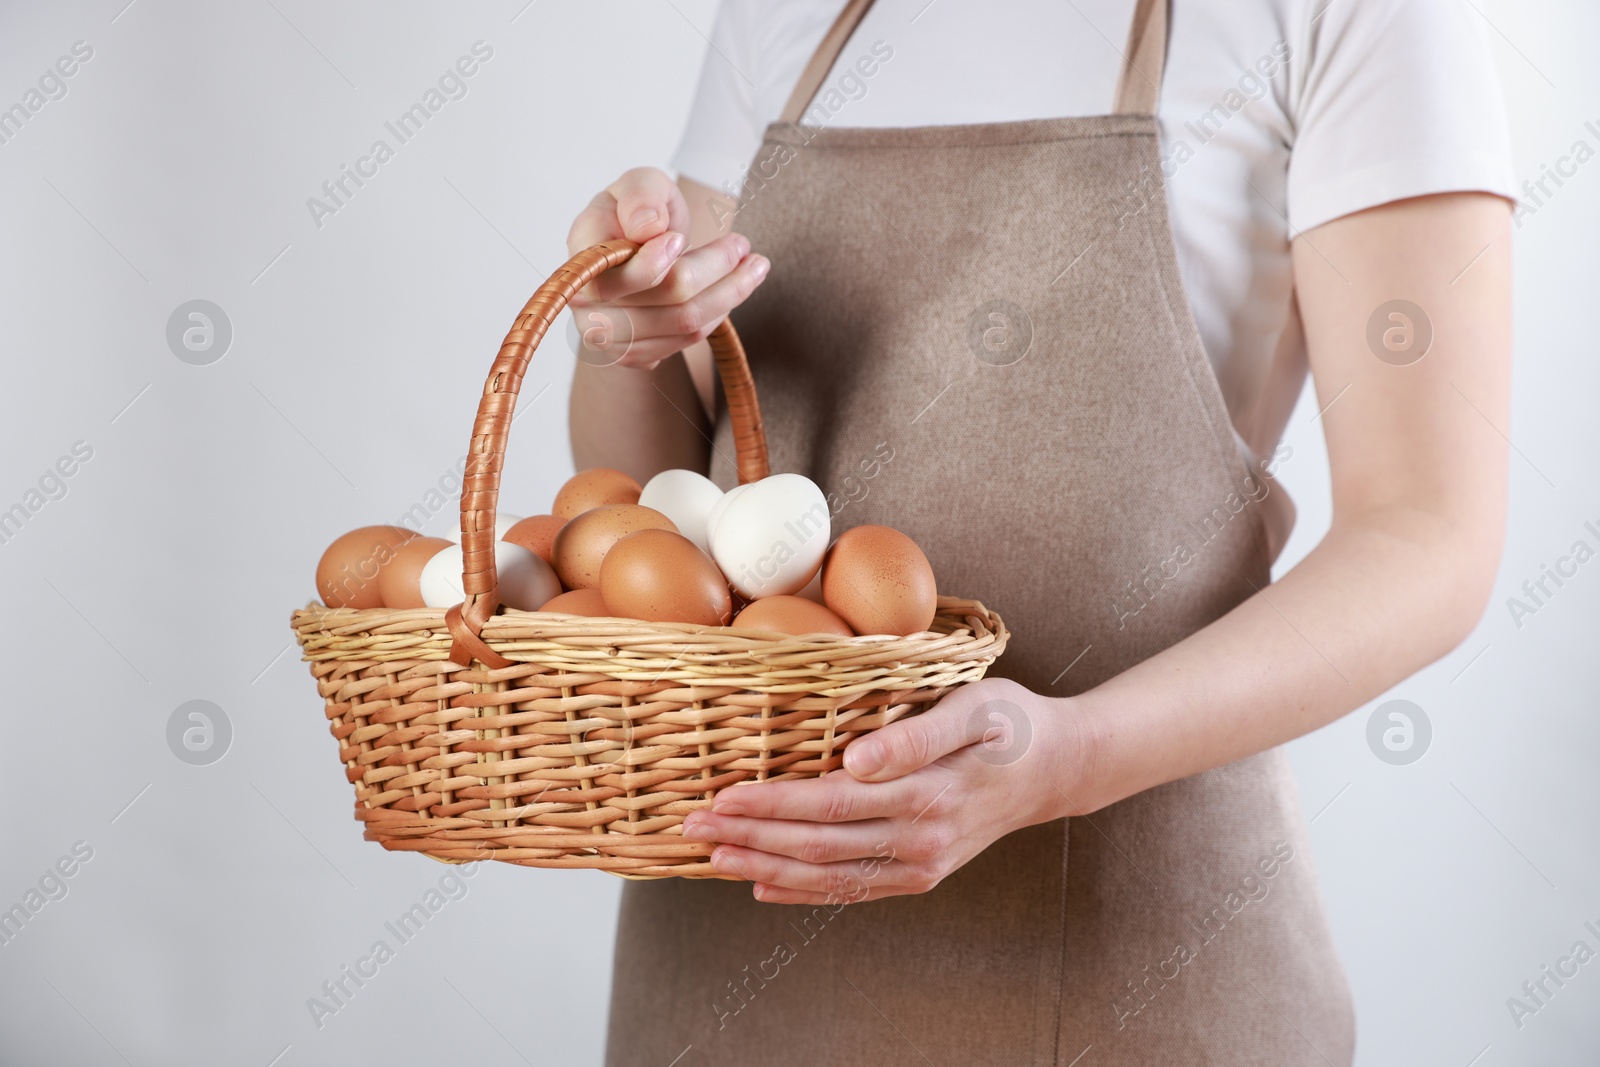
[(668, 296), (920, 798)]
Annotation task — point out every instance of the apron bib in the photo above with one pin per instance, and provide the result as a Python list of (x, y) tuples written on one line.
[(979, 335)]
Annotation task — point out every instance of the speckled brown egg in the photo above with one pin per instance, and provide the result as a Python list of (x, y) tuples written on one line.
[(536, 533), (661, 576), (877, 580), (399, 579), (347, 573), (594, 488), (791, 615), (580, 602), (583, 543)]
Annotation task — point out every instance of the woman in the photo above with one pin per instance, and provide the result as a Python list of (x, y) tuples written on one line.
[(980, 327)]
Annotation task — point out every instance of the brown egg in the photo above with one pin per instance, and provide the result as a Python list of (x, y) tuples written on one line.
[(878, 581), (580, 602), (536, 533), (583, 542), (661, 576), (791, 615), (398, 580), (594, 488), (347, 573)]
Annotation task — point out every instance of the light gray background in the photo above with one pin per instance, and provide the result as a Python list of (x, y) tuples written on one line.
[(219, 898)]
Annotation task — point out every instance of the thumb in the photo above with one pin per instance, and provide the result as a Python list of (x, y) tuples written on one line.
[(911, 744), (649, 204)]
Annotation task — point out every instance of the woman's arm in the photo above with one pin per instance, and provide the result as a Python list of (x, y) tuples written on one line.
[(647, 411), (1419, 464), (1418, 459)]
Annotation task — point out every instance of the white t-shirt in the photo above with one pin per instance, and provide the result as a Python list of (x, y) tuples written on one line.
[(1276, 116)]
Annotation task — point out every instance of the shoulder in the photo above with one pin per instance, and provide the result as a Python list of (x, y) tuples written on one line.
[(757, 50), (1390, 99), (1406, 39), (780, 24)]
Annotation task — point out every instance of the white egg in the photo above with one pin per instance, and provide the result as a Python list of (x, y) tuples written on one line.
[(720, 507), (503, 521), (525, 580), (687, 499), (771, 538)]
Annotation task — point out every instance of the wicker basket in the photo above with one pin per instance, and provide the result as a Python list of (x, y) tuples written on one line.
[(552, 740)]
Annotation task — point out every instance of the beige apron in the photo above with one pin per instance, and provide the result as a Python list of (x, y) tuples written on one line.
[(979, 335)]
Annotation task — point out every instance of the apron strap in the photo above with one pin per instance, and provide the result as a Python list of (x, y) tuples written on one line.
[(1138, 88), (833, 42)]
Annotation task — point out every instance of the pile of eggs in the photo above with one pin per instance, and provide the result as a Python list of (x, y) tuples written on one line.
[(677, 549)]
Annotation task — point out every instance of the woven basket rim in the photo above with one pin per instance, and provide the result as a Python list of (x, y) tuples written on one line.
[(665, 653), (954, 616)]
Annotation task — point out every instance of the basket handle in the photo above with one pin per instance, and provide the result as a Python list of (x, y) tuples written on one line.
[(480, 484)]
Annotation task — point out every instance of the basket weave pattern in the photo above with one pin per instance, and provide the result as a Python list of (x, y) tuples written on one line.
[(552, 740), (590, 749)]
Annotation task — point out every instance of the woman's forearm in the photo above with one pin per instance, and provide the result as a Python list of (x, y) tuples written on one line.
[(1376, 601), (1418, 457), (640, 410), (638, 421)]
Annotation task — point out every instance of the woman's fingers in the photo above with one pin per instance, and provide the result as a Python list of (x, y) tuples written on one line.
[(785, 837), (846, 881), (686, 277), (645, 206), (835, 798), (777, 894), (642, 204), (648, 204), (696, 316), (984, 713), (614, 335), (664, 298), (662, 273), (595, 223), (641, 353), (648, 267)]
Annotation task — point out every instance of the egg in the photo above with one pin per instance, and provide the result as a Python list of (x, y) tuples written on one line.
[(579, 602), (502, 523), (583, 542), (347, 573), (813, 589), (771, 538), (594, 488), (687, 499), (399, 582), (791, 615), (537, 533), (877, 580), (720, 507), (660, 576), (525, 580)]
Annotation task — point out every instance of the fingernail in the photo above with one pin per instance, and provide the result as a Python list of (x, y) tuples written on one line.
[(864, 758), (642, 218), (741, 245), (759, 265), (727, 806), (719, 857), (697, 831), (674, 245)]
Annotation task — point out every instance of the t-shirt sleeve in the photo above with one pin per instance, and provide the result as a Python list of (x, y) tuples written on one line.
[(724, 130), (1396, 98)]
